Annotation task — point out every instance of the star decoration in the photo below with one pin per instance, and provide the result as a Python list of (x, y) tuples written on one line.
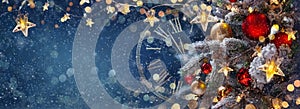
[(65, 17), (257, 51), (23, 25), (89, 22), (225, 69), (274, 2), (123, 8), (110, 9), (291, 35), (5, 1), (83, 2), (151, 18), (45, 7), (271, 67), (204, 17)]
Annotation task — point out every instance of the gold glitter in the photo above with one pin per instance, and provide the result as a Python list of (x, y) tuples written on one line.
[(290, 88), (285, 104), (297, 83)]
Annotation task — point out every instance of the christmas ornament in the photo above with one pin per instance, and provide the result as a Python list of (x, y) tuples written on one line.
[(193, 104), (256, 25), (206, 68), (45, 7), (220, 31), (198, 87), (271, 67), (225, 70), (281, 38), (276, 103), (189, 79), (223, 91), (204, 17), (232, 1), (257, 51), (23, 25), (244, 77)]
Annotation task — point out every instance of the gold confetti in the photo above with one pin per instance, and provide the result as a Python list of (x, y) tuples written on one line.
[(65, 17), (172, 85), (110, 9), (297, 83), (56, 26), (285, 104), (45, 7), (89, 22), (290, 88), (88, 9), (161, 14), (298, 101), (175, 106), (108, 2), (9, 8), (83, 2), (173, 1), (71, 4), (139, 3)]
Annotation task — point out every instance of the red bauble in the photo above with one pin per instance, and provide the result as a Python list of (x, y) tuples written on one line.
[(189, 79), (244, 77), (255, 25), (281, 38), (206, 68), (233, 1)]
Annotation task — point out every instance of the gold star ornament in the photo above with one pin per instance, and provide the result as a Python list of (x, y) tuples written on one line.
[(291, 35), (204, 17), (23, 25), (257, 51), (45, 7), (225, 69), (151, 18), (271, 67)]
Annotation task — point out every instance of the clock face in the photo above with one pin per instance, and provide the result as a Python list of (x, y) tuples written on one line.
[(157, 55), (144, 59)]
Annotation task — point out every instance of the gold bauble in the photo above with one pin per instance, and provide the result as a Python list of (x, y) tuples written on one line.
[(193, 104), (220, 31), (198, 87), (250, 106)]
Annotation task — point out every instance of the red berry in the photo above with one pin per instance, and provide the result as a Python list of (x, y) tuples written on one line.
[(233, 1), (255, 25), (281, 38), (206, 68), (244, 77)]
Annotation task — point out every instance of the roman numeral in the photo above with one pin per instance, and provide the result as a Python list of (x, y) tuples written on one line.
[(175, 23), (161, 32)]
